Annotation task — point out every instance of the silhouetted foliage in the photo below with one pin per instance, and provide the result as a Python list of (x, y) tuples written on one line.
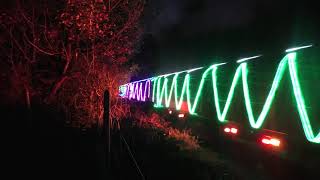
[(66, 53)]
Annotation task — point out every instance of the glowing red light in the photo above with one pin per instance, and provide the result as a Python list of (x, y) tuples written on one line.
[(227, 130), (265, 141), (271, 141), (234, 130), (181, 115)]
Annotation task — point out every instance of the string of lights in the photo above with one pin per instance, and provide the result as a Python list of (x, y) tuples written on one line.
[(164, 93)]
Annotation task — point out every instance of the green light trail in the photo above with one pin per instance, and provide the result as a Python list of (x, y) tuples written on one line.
[(222, 116), (300, 101), (164, 95), (267, 105)]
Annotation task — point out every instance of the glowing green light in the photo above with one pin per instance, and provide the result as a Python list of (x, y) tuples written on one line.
[(222, 116), (300, 101), (193, 107), (270, 97), (154, 80), (162, 93), (184, 87), (173, 85), (297, 48)]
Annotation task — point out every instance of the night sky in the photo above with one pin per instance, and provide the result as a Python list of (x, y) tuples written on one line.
[(181, 34)]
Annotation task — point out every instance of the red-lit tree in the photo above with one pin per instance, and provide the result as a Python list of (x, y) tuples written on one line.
[(68, 52)]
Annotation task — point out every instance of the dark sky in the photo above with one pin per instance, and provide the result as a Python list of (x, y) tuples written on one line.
[(183, 34)]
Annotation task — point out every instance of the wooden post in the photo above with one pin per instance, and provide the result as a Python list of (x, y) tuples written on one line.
[(107, 126)]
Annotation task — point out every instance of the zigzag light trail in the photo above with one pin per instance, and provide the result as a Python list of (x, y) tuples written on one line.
[(162, 93)]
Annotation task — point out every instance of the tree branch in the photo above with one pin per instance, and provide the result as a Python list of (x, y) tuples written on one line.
[(39, 49), (56, 87), (17, 44)]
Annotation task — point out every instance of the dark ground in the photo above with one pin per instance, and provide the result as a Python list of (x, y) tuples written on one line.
[(51, 150)]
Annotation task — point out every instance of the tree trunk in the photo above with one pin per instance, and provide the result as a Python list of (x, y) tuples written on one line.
[(27, 94)]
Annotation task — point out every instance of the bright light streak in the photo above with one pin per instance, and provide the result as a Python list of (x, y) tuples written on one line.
[(275, 142), (297, 48), (188, 70), (265, 141), (220, 64), (234, 130), (191, 70), (248, 58), (169, 89), (272, 141), (181, 115), (139, 81)]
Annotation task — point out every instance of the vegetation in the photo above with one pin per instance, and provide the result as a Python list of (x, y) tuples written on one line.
[(66, 53)]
